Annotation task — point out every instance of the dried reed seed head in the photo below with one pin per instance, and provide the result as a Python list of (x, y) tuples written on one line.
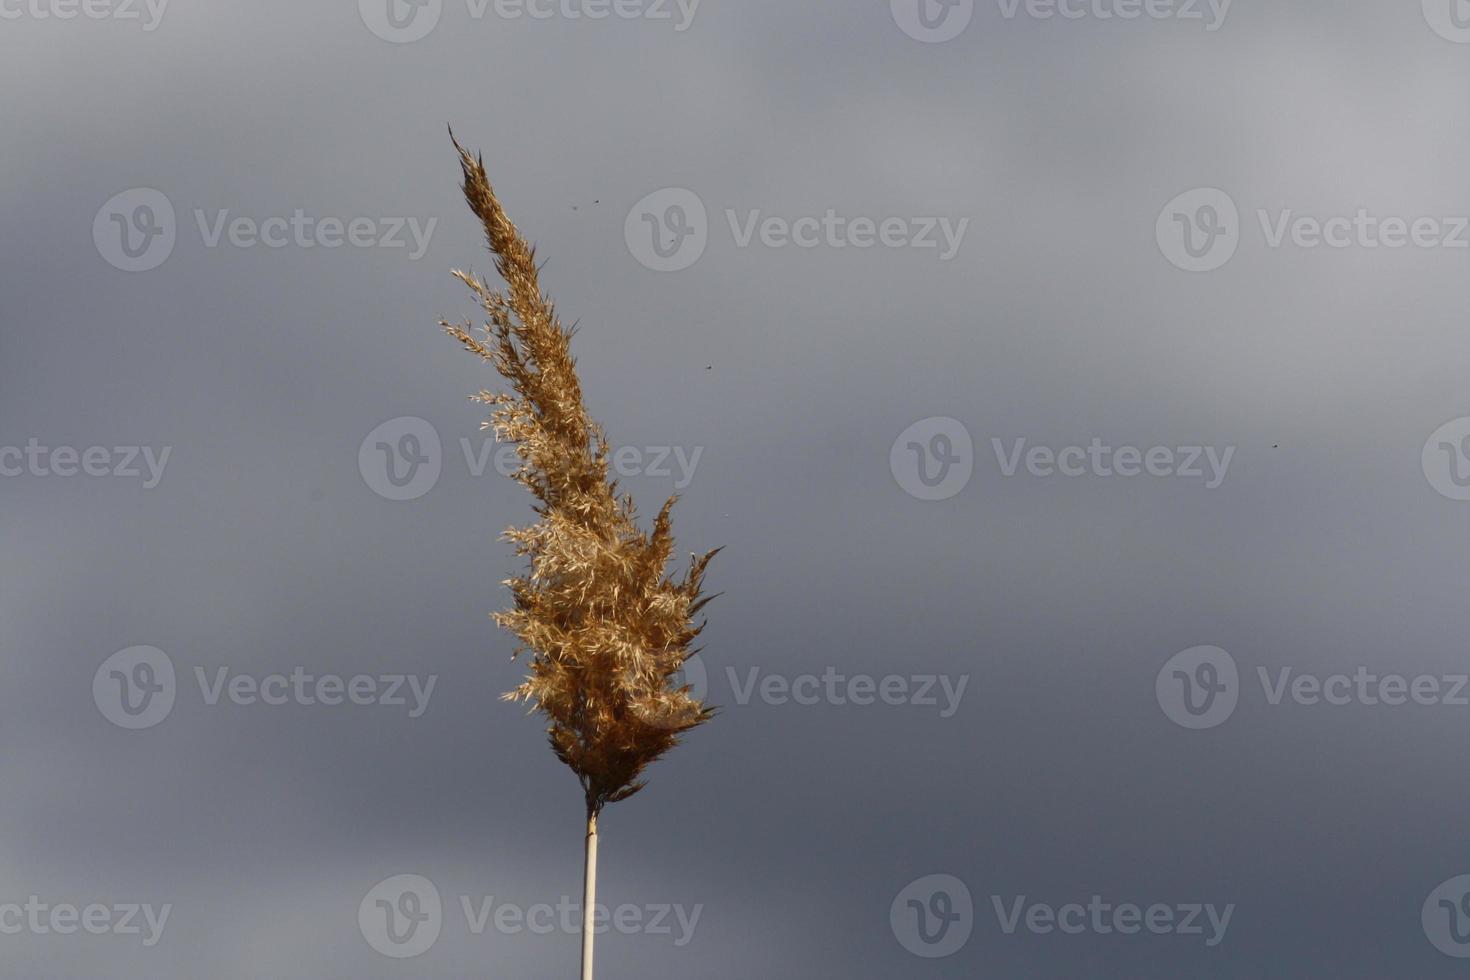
[(606, 627)]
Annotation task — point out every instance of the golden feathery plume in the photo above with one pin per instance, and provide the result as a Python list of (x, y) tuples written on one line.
[(607, 628)]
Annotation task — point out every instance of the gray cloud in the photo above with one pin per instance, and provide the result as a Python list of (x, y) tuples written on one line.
[(794, 369)]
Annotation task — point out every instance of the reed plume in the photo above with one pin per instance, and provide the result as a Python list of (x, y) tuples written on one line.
[(606, 626)]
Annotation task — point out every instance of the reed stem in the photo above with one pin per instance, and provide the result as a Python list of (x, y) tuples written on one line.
[(589, 893)]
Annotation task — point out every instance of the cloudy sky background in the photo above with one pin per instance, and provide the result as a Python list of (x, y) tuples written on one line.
[(263, 548)]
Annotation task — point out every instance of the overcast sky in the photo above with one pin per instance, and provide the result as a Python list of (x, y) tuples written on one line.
[(1077, 386)]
